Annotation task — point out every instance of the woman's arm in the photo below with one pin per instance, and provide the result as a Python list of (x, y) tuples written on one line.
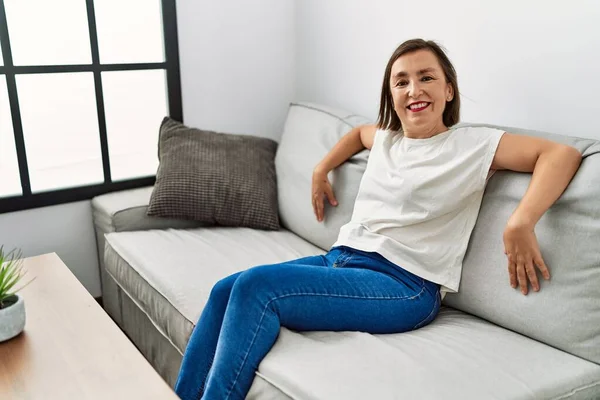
[(553, 166), (351, 143)]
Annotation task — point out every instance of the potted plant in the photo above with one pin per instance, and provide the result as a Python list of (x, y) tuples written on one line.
[(12, 306)]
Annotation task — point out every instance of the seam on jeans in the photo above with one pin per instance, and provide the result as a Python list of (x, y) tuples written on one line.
[(303, 294), (429, 315), (349, 296), (203, 387), (323, 260)]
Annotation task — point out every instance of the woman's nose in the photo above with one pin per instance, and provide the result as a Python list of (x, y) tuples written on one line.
[(414, 89)]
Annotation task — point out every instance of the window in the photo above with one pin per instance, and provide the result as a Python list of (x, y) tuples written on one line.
[(84, 85), (10, 184)]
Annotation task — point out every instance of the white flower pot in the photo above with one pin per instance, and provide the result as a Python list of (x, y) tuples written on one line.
[(12, 318)]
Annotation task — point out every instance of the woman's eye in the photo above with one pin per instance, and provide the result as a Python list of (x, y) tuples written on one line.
[(401, 83), (426, 78)]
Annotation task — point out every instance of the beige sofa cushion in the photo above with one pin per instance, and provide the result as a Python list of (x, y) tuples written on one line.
[(310, 132), (456, 357), (169, 273)]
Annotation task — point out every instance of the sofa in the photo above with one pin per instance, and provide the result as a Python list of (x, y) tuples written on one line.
[(488, 342)]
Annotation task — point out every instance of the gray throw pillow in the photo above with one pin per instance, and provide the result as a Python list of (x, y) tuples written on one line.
[(216, 178)]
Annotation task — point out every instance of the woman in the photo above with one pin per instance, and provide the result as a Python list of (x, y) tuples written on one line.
[(415, 210)]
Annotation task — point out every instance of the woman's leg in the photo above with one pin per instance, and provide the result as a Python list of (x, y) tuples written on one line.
[(352, 296), (200, 350)]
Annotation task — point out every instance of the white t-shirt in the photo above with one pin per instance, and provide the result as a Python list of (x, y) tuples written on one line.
[(419, 199)]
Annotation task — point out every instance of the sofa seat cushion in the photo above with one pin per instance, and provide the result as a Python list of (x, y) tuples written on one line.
[(458, 356), (170, 273)]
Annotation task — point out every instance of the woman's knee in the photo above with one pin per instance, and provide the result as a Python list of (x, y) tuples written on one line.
[(222, 289), (255, 282)]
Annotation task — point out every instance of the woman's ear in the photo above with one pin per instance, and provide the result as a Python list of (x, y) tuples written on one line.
[(449, 92)]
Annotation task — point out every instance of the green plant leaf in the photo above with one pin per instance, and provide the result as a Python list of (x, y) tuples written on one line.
[(4, 279), (21, 288), (14, 271), (8, 295), (12, 282), (4, 269), (11, 271)]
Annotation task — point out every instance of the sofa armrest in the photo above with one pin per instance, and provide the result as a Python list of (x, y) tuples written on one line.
[(126, 211)]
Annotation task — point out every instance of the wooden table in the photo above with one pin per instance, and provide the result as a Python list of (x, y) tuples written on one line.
[(70, 348)]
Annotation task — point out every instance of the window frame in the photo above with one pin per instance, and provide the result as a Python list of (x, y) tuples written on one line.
[(8, 71)]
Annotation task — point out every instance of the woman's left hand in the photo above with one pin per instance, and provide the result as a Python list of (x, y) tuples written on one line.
[(523, 252)]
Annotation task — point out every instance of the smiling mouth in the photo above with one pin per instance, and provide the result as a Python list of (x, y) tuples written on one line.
[(416, 107)]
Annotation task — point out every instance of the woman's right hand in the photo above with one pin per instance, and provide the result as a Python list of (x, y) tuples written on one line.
[(321, 189)]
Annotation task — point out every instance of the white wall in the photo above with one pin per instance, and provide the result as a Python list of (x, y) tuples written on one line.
[(531, 64), (237, 76), (237, 64), (525, 63), (64, 229)]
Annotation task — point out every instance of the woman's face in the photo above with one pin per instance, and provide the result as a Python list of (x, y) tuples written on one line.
[(420, 92)]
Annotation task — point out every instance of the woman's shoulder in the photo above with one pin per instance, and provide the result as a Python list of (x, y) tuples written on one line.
[(476, 129), (385, 132), (373, 134), (476, 133)]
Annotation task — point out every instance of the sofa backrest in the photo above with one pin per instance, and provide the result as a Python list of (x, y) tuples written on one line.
[(565, 313), (309, 134)]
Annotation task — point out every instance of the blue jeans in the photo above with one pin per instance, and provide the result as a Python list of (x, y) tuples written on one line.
[(343, 290)]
